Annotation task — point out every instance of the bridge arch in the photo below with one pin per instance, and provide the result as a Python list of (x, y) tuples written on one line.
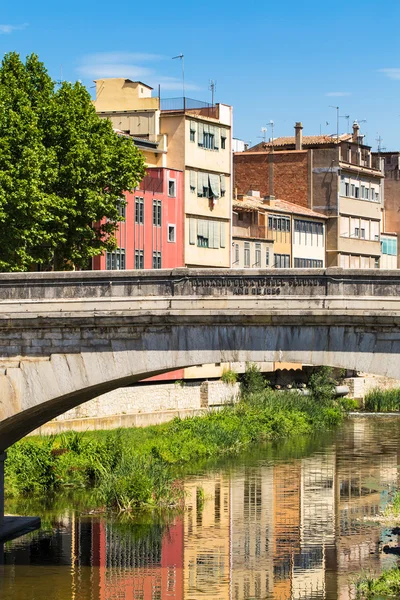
[(68, 337), (39, 390)]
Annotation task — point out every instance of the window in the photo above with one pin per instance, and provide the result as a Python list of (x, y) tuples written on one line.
[(357, 232), (157, 213), (223, 143), (282, 261), (115, 260), (156, 260), (389, 246), (346, 188), (353, 189), (207, 233), (307, 263), (247, 254), (192, 179), (192, 131), (172, 188), (139, 259), (122, 208), (237, 256), (240, 216), (308, 226), (278, 223), (372, 194), (208, 141), (139, 210), (258, 255), (208, 185), (171, 233), (356, 192), (267, 257), (376, 263)]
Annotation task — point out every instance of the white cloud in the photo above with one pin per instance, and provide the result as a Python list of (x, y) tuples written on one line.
[(113, 70), (174, 83), (11, 28), (125, 64), (338, 94), (391, 73)]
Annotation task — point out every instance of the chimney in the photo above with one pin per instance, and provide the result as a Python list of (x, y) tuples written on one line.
[(356, 132), (299, 136)]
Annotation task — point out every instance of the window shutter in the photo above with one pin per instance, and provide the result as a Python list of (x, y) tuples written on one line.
[(206, 128), (216, 226), (192, 125), (199, 183), (223, 184), (200, 134), (192, 177), (192, 231), (216, 138), (214, 185), (223, 243)]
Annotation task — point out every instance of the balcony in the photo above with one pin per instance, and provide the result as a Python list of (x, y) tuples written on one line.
[(183, 104)]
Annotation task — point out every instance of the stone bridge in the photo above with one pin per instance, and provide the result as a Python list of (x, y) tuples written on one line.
[(68, 337)]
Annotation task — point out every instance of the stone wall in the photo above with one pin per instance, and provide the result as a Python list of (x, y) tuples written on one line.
[(130, 407)]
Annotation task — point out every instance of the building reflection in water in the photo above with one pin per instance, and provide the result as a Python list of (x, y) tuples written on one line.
[(284, 530)]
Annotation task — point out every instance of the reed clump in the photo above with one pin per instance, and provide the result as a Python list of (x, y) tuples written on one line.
[(378, 400), (130, 468)]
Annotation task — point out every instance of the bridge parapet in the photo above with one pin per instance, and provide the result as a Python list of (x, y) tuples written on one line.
[(198, 282)]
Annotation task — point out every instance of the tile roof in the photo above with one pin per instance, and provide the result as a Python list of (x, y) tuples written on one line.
[(308, 140), (252, 203)]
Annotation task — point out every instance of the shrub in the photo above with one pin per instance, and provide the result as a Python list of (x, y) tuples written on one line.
[(252, 381), (322, 385), (230, 377)]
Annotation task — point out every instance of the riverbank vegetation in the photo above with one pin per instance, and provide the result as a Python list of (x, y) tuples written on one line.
[(130, 468), (378, 400), (386, 585)]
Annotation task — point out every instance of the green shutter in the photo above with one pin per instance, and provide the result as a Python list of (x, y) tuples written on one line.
[(192, 177), (223, 237), (200, 134), (192, 231), (199, 183), (223, 184)]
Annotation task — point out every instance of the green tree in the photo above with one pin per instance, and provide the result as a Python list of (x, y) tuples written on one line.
[(62, 171)]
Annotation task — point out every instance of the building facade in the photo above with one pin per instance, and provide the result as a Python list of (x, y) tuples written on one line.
[(185, 136), (271, 233), (151, 236), (336, 176)]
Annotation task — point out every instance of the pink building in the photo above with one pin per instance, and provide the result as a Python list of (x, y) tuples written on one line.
[(151, 237)]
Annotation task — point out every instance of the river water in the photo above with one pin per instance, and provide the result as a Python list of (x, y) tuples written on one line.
[(290, 522)]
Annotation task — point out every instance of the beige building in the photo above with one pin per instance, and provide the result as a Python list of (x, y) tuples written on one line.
[(189, 136), (271, 233), (334, 175)]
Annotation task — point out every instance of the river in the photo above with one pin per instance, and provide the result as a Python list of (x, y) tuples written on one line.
[(289, 522)]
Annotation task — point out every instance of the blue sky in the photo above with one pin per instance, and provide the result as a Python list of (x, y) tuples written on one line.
[(281, 61)]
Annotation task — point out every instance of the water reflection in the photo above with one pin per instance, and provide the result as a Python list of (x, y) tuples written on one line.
[(267, 528)]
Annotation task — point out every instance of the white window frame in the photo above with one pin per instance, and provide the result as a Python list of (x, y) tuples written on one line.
[(173, 228)]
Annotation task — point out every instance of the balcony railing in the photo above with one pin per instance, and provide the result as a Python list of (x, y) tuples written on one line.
[(183, 104)]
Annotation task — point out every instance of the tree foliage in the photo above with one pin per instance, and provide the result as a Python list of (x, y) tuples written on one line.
[(63, 170)]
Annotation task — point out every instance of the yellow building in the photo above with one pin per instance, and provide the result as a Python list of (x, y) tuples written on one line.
[(189, 136), (271, 233)]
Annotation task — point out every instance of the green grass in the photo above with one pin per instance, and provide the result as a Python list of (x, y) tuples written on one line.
[(382, 400), (129, 468), (386, 585)]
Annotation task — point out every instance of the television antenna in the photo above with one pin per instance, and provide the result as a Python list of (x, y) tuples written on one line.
[(212, 87), (264, 134), (347, 117), (182, 58), (337, 120), (379, 139)]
